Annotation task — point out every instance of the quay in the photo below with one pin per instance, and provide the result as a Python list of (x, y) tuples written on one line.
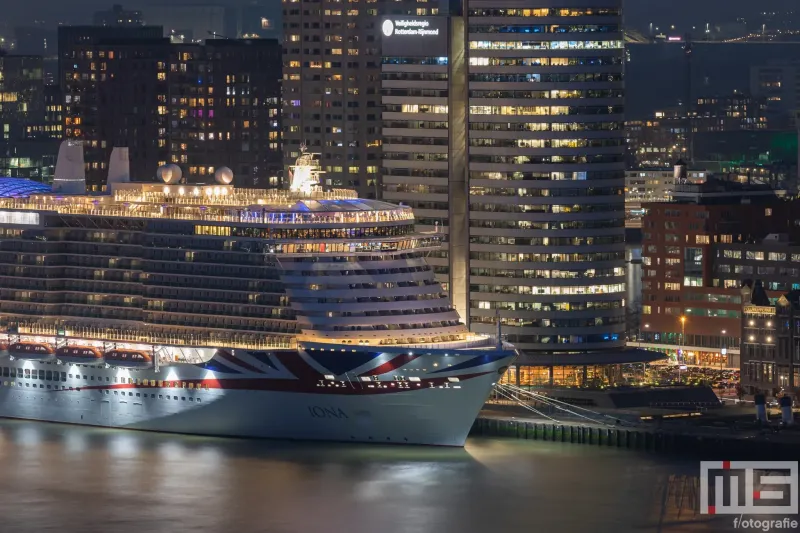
[(729, 442)]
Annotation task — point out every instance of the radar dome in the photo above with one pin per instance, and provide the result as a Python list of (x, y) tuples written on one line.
[(224, 176), (169, 173), (164, 173)]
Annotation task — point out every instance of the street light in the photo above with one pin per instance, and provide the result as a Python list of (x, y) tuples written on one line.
[(724, 351), (680, 349)]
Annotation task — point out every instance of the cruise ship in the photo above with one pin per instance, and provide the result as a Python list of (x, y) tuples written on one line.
[(298, 313)]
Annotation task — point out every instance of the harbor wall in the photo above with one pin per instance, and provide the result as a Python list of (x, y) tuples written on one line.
[(649, 440)]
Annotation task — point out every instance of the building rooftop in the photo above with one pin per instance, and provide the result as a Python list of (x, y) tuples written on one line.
[(716, 190)]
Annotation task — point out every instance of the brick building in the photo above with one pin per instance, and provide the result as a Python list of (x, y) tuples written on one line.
[(691, 299)]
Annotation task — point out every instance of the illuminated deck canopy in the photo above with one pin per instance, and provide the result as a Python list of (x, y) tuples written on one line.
[(21, 188)]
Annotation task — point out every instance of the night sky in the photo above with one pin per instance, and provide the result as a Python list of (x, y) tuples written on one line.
[(640, 11)]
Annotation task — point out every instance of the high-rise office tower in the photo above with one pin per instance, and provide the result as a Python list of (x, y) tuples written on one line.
[(510, 139), (332, 103)]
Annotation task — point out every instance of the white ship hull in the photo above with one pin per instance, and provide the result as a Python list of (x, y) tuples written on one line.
[(382, 397)]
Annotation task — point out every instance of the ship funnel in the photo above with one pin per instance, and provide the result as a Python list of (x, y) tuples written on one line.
[(70, 175), (119, 168)]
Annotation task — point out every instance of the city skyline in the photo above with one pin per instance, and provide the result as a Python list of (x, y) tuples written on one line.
[(638, 12)]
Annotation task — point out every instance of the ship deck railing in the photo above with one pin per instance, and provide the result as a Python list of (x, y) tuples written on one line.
[(112, 335), (211, 213), (473, 341)]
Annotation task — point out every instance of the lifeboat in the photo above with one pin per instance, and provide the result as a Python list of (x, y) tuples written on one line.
[(86, 355), (3, 348), (128, 358), (32, 351)]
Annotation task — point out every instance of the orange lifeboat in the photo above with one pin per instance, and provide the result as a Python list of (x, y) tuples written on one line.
[(3, 348), (128, 358), (32, 351), (86, 355)]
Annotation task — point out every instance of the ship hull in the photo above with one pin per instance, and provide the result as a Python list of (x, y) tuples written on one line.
[(382, 397)]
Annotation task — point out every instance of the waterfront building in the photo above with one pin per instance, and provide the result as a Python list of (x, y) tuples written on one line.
[(83, 75), (770, 333), (692, 251), (508, 138), (200, 106), (331, 85)]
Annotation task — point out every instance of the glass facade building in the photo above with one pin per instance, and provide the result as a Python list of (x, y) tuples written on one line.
[(532, 197)]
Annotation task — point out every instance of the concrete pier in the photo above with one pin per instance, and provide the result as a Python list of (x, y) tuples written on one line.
[(693, 442)]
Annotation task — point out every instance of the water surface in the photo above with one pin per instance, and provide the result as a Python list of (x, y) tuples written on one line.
[(70, 478)]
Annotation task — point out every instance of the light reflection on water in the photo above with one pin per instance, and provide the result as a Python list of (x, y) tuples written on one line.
[(85, 479)]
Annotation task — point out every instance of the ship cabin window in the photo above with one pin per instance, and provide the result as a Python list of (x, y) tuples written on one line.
[(108, 378), (27, 384), (48, 387), (152, 395), (160, 396), (107, 393), (5, 371), (48, 375), (138, 395), (63, 376), (84, 377), (27, 373), (91, 378), (70, 376), (199, 400)]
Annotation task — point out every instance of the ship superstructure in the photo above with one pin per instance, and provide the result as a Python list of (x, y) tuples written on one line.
[(296, 313)]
